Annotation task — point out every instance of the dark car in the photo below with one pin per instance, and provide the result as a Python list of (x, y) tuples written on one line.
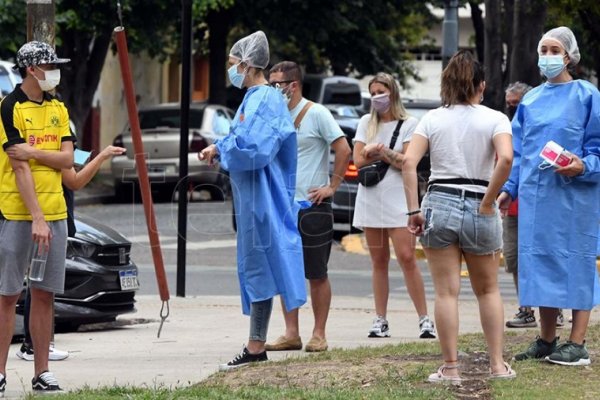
[(101, 280), (345, 196)]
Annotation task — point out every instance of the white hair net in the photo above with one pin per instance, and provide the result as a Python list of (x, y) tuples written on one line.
[(252, 49), (566, 38)]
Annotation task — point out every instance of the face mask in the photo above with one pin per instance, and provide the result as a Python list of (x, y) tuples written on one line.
[(235, 77), (551, 66), (287, 96), (52, 79), (381, 102)]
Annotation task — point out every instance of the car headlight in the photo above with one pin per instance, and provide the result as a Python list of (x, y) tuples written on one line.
[(80, 248)]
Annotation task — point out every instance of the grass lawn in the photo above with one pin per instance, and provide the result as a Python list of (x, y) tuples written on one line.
[(387, 372)]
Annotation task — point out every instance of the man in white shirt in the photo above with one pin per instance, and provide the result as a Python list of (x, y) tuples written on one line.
[(318, 132)]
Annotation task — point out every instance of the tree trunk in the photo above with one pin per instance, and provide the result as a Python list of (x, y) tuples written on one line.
[(218, 27), (494, 93), (479, 27), (591, 25), (507, 37), (529, 18), (82, 73), (40, 22)]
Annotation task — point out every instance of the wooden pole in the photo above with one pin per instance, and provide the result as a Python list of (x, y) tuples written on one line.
[(40, 21)]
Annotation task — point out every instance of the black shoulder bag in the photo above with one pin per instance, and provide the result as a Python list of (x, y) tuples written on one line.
[(372, 174)]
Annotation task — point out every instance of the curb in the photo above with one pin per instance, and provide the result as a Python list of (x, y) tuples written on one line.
[(356, 243)]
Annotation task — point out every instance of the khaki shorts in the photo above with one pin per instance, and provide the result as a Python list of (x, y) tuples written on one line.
[(15, 256)]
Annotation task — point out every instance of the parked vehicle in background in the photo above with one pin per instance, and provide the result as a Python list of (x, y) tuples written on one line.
[(160, 127), (345, 197), (343, 110), (100, 280), (332, 90), (9, 78)]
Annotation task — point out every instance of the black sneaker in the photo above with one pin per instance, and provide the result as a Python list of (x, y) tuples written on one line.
[(2, 385), (243, 359), (45, 383), (537, 350)]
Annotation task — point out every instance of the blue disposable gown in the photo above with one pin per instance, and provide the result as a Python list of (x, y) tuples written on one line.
[(558, 216), (260, 154)]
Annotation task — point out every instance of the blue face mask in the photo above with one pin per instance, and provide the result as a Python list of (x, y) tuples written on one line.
[(551, 66), (235, 77)]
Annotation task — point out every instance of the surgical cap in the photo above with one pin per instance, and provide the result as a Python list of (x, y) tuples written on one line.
[(252, 50), (566, 38)]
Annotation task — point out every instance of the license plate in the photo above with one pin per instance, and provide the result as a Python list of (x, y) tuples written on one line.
[(129, 279)]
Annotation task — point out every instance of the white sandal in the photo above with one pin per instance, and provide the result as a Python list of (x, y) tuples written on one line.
[(509, 374), (439, 377)]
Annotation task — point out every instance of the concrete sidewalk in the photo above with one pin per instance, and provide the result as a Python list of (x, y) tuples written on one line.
[(199, 334)]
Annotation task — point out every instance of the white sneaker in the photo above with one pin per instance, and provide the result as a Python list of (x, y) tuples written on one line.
[(26, 353), (380, 328), (427, 328)]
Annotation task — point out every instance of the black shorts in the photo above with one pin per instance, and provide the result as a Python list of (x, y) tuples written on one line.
[(316, 229)]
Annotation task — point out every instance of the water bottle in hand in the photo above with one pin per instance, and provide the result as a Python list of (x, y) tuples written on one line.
[(38, 263)]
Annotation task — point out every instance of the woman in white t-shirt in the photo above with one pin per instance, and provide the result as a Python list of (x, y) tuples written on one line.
[(459, 217), (380, 210)]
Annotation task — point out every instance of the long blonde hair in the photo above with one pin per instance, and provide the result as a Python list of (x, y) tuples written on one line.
[(396, 107)]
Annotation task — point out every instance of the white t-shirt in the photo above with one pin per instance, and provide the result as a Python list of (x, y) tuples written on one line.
[(460, 142), (383, 205)]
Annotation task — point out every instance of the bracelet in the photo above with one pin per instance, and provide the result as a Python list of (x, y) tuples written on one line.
[(413, 212)]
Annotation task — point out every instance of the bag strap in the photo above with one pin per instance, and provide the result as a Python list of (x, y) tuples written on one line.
[(302, 114), (396, 133), (459, 181)]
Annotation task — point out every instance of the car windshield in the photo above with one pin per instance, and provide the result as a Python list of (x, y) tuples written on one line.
[(168, 118)]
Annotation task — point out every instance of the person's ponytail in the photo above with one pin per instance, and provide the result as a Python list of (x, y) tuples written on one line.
[(460, 79)]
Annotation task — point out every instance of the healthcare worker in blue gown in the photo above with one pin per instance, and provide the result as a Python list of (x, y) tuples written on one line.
[(260, 154), (559, 208)]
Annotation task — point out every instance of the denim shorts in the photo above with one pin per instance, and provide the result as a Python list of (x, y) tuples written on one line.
[(454, 218)]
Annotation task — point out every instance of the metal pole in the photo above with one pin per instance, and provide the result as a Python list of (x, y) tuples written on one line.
[(186, 63), (449, 31)]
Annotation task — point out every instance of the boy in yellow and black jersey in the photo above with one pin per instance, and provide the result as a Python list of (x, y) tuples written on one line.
[(36, 146)]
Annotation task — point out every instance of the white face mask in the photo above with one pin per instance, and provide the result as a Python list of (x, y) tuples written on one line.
[(52, 79)]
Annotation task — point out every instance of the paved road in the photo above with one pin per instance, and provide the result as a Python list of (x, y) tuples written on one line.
[(211, 253)]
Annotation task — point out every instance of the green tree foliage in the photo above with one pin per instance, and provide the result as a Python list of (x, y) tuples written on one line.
[(84, 33), (348, 36), (583, 17)]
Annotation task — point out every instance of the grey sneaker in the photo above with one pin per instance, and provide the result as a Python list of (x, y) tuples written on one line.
[(380, 328), (560, 319), (570, 353), (525, 318), (427, 328), (537, 350)]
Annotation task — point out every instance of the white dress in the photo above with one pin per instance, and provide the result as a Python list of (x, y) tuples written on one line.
[(383, 205)]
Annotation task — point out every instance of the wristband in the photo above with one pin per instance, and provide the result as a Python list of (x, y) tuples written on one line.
[(413, 212)]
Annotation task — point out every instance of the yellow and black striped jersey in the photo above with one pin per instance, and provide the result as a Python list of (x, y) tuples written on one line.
[(44, 125)]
